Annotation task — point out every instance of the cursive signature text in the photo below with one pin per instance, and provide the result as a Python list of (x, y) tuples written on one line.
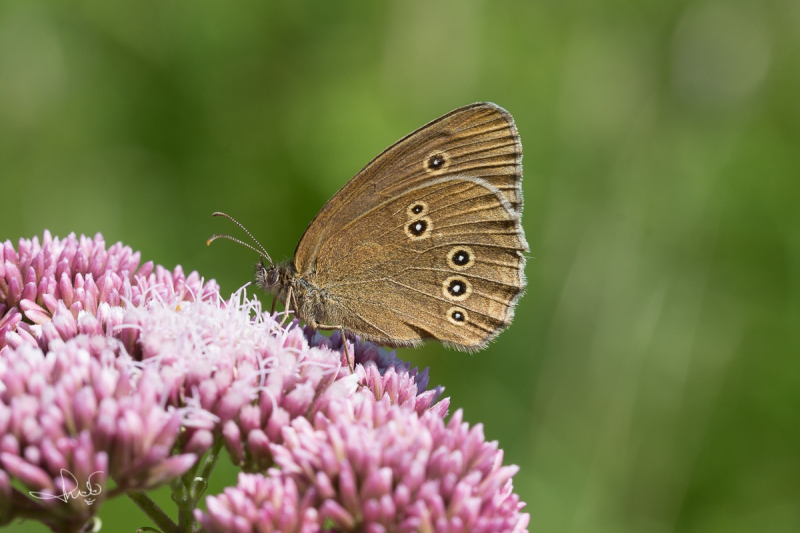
[(89, 495)]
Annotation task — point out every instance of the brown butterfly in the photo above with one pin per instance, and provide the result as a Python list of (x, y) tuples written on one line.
[(424, 243)]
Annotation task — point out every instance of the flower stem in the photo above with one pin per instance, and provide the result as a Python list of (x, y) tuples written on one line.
[(189, 488), (153, 511)]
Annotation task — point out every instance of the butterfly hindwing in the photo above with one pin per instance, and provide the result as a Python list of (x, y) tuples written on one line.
[(442, 260)]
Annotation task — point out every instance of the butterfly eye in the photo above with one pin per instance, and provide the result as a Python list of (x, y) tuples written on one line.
[(419, 228), (460, 257), (417, 209), (436, 162), (457, 316), (456, 288)]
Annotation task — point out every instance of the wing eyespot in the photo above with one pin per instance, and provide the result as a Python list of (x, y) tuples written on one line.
[(456, 288), (436, 162), (417, 209), (460, 257), (457, 316), (419, 228)]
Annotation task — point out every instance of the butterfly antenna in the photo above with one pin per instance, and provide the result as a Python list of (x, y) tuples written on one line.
[(223, 236), (219, 235)]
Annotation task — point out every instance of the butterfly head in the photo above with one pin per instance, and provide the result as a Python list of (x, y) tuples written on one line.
[(270, 278)]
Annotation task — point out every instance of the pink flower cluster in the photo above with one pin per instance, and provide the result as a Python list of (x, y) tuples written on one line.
[(135, 372), (45, 283), (77, 411), (75, 408), (374, 466)]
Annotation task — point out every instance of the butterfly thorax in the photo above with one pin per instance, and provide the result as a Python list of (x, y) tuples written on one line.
[(296, 291)]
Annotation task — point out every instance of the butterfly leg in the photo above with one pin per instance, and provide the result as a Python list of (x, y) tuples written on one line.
[(350, 361), (288, 305)]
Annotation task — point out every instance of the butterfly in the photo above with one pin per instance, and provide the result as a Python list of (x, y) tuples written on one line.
[(425, 242)]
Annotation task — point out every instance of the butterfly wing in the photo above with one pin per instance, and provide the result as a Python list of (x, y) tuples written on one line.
[(426, 241)]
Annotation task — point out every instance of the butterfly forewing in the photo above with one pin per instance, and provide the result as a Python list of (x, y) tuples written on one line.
[(479, 140)]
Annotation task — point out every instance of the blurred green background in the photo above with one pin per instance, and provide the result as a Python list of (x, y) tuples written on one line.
[(650, 380)]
